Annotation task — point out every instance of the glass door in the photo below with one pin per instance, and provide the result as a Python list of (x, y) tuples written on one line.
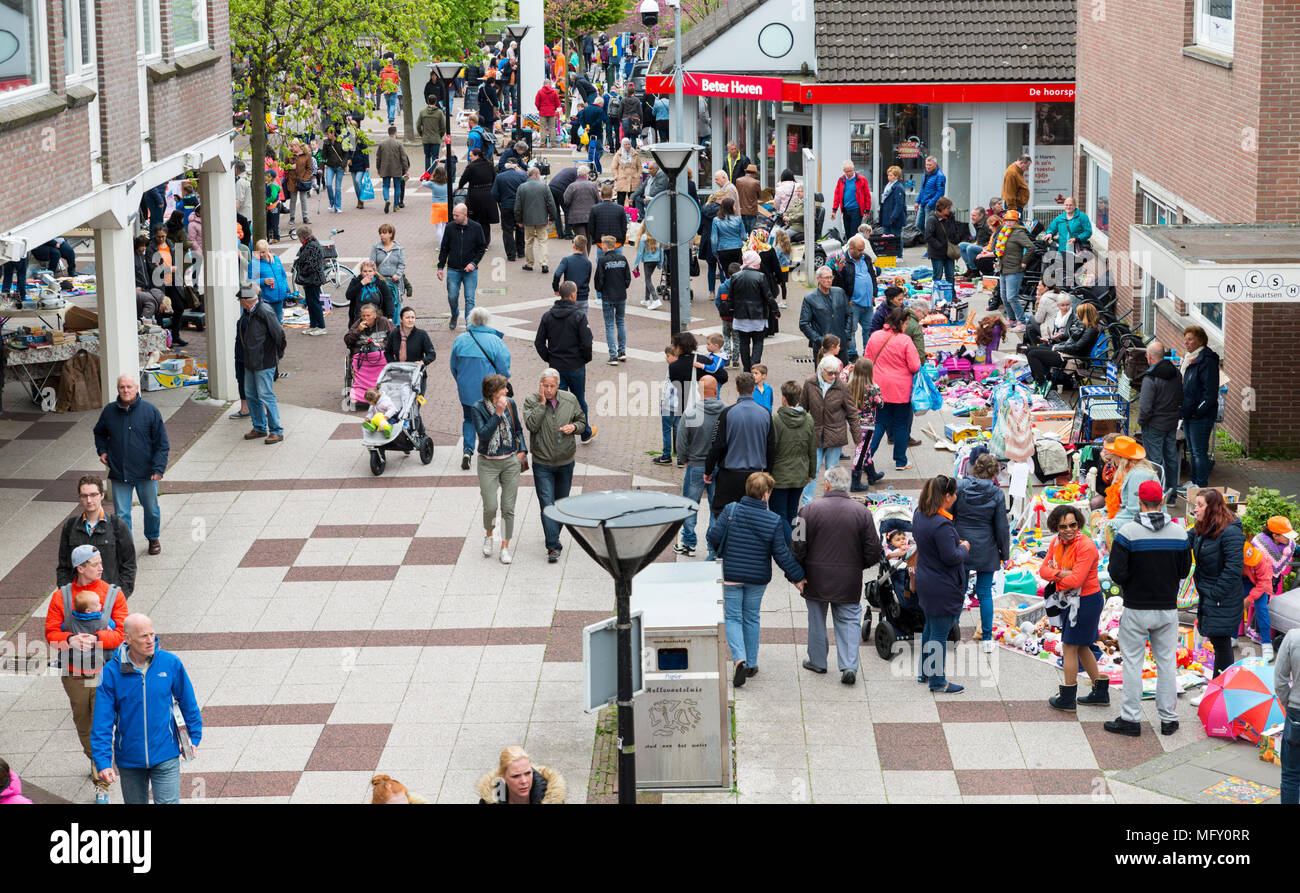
[(904, 141), (957, 165)]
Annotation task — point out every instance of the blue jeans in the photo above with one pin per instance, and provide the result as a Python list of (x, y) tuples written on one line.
[(847, 620), (593, 153), (467, 428), (456, 280), (749, 220), (693, 487), (944, 268), (615, 327), (165, 779), (861, 320), (984, 592), (430, 156), (1196, 435), (1162, 449), (148, 492), (896, 419), (334, 187), (785, 502), (740, 604), (575, 382), (262, 406), (356, 186), (1261, 620), (16, 270), (827, 457), (277, 307), (1291, 758), (934, 648), (315, 313), (391, 100), (969, 251), (399, 188), (920, 218), (1011, 295), (552, 482), (668, 428)]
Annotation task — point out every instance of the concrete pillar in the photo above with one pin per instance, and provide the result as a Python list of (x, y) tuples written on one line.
[(530, 55), (222, 274), (119, 343)]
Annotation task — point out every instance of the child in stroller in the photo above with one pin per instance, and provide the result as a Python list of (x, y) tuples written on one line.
[(891, 592), (396, 423)]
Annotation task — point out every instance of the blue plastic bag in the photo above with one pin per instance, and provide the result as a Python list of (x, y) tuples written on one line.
[(367, 188), (925, 396)]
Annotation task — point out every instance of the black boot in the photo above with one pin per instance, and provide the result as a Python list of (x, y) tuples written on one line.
[(1064, 700), (1100, 693), (856, 485)]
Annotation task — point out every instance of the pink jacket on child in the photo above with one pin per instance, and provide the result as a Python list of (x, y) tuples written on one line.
[(896, 361), (13, 793)]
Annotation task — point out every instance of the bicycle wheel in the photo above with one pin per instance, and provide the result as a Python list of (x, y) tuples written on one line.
[(339, 280)]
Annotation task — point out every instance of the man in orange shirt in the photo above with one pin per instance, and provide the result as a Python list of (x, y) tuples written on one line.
[(80, 672)]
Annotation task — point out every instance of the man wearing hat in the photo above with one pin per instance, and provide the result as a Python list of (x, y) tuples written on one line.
[(262, 340), (1277, 543), (68, 630), (1149, 559), (106, 533), (748, 188)]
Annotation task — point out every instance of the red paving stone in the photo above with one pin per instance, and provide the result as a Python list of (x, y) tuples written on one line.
[(1120, 751), (340, 573), (912, 746), (994, 782), (426, 550), (272, 553)]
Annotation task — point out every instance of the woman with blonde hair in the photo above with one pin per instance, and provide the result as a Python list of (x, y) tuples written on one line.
[(516, 780), (385, 789), (1131, 470), (893, 206), (1082, 333)]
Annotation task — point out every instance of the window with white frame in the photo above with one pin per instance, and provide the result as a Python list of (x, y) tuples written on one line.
[(148, 28), (24, 51), (1155, 212), (189, 25), (79, 39), (1214, 24), (1098, 199)]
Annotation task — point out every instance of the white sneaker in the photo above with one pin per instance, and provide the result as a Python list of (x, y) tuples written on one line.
[(487, 545), (1266, 652), (505, 556), (655, 305), (1196, 701), (988, 645)]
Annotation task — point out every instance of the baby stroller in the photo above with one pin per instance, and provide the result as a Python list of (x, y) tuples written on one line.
[(901, 616), (401, 383)]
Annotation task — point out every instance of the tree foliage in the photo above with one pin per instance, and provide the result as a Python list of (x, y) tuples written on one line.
[(569, 19)]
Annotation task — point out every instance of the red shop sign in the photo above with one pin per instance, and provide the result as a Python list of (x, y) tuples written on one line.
[(731, 86), (792, 143)]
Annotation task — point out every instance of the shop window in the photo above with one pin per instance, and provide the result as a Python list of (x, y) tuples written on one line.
[(797, 136), (1154, 213), (1098, 197), (189, 24), (1214, 24), (957, 167), (1017, 140), (905, 142), (148, 30), (79, 38), (24, 53), (860, 137)]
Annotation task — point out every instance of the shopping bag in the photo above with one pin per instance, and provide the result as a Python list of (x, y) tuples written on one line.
[(925, 396), (367, 188)]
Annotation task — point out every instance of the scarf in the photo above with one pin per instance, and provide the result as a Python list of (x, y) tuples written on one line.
[(1113, 494), (750, 260), (627, 156), (1278, 556), (1190, 358), (1000, 240), (758, 241)]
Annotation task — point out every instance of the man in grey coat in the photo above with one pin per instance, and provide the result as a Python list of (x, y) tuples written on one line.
[(694, 439), (826, 312), (391, 163), (1159, 406), (534, 209)]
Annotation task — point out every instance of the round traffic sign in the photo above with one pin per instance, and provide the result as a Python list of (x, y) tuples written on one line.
[(658, 220)]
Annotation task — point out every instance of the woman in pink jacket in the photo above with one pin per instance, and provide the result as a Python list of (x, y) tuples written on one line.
[(896, 361), (11, 789)]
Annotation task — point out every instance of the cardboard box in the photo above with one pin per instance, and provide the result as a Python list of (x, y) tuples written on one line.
[(957, 433), (158, 380), (983, 420), (1053, 421), (187, 365), (1230, 496)]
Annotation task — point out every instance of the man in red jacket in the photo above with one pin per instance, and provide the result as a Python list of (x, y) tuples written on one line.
[(548, 107), (853, 196)]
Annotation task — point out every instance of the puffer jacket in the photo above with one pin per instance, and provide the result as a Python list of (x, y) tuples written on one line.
[(548, 787), (133, 724), (980, 516), (796, 447), (748, 535), (830, 412), (696, 429), (1081, 341), (1201, 386), (1218, 580)]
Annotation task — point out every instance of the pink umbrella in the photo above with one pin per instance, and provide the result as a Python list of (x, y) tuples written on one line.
[(1240, 702)]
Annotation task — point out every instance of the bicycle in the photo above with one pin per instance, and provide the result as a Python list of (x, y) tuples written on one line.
[(334, 274)]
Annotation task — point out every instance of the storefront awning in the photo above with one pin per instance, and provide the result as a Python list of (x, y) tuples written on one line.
[(1233, 263)]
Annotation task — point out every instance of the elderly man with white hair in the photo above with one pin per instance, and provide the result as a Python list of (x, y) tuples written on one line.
[(131, 441), (722, 183), (476, 353), (554, 420), (580, 197), (857, 278), (1159, 408), (133, 727), (462, 250)]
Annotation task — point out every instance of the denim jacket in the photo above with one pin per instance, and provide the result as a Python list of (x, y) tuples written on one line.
[(498, 437)]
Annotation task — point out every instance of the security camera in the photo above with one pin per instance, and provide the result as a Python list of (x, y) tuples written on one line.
[(649, 10)]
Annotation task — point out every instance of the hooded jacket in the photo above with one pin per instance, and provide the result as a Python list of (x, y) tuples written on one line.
[(613, 276), (133, 723), (748, 535), (563, 338), (796, 447), (135, 439), (980, 516), (1218, 580), (12, 795), (1149, 559), (478, 352), (1201, 386), (696, 429), (548, 787), (1161, 402), (431, 124)]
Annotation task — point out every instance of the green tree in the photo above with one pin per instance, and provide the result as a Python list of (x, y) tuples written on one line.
[(570, 19)]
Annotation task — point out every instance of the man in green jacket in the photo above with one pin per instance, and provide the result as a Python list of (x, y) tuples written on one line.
[(552, 418), (796, 453), (1013, 253), (431, 125)]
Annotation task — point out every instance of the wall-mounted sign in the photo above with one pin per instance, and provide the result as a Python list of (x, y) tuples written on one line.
[(1258, 286), (724, 85)]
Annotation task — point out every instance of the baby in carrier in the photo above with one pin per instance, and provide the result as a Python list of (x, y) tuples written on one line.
[(86, 617)]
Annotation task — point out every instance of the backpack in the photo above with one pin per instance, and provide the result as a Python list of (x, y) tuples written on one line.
[(615, 109), (484, 142), (723, 303)]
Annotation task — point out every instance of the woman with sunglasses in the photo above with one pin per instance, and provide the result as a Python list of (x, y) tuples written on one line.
[(940, 578), (1071, 566)]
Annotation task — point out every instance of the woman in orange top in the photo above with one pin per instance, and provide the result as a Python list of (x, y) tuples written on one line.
[(1071, 564)]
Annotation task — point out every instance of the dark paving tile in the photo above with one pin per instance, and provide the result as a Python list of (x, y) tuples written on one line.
[(364, 573), (339, 531), (1068, 781), (914, 734), (35, 792), (519, 635), (580, 619), (281, 639), (10, 416), (272, 553), (391, 530), (433, 549), (199, 785), (463, 636), (347, 431), (296, 714), (784, 635), (354, 735), (336, 638), (910, 758), (563, 651), (388, 638), (260, 784), (1036, 711), (993, 782), (340, 573), (46, 431), (971, 711), (203, 641), (235, 715), (1120, 751), (344, 759)]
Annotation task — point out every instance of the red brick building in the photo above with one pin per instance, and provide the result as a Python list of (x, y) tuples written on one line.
[(1186, 113), (101, 101)]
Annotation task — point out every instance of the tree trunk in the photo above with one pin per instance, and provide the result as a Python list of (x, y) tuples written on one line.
[(257, 167), (408, 121)]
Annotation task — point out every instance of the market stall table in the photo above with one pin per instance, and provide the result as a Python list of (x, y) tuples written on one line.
[(37, 365)]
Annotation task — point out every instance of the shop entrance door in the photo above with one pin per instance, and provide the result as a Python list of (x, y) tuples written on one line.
[(905, 141), (795, 137)]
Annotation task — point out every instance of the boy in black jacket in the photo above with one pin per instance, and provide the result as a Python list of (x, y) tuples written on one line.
[(563, 342), (575, 268), (613, 276)]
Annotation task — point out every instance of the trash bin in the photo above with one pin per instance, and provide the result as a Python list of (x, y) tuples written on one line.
[(683, 726)]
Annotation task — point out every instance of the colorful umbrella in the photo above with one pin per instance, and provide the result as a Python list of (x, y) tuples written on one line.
[(1239, 702)]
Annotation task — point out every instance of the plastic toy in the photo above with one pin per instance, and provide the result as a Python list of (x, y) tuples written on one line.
[(378, 422)]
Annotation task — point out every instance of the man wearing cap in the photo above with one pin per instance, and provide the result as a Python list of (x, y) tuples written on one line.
[(131, 440), (262, 340), (748, 188), (1277, 542), (104, 532), (1149, 559), (80, 671)]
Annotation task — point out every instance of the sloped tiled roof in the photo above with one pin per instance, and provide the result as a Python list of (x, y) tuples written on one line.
[(702, 33), (888, 41)]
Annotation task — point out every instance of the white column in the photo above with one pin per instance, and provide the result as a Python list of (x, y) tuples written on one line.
[(530, 55), (222, 273), (119, 343)]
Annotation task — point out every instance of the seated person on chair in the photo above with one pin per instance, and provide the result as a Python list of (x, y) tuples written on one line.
[(1083, 332), (1050, 324)]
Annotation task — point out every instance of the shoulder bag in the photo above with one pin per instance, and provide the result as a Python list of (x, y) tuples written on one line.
[(510, 388)]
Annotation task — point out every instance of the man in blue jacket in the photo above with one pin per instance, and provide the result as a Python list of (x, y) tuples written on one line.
[(131, 440), (933, 186), (476, 353), (133, 724)]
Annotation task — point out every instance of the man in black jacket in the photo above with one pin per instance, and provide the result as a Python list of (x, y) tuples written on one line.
[(607, 219), (560, 182), (825, 312), (613, 276), (463, 245), (504, 188), (564, 343), (575, 268), (1159, 407), (262, 342), (309, 272), (107, 533)]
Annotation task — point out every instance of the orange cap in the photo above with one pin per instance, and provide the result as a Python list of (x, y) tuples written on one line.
[(1279, 524), (1251, 556)]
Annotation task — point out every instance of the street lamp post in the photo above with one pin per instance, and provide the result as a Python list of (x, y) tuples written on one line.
[(517, 33), (672, 159), (623, 531), (446, 72)]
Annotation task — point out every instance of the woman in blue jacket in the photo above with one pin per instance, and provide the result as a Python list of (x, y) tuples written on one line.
[(980, 516), (1218, 545), (1200, 368), (893, 205), (748, 535), (1071, 229), (728, 236), (940, 577), (266, 270)]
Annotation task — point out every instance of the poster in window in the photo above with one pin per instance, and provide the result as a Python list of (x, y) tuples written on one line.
[(1053, 173), (1055, 125)]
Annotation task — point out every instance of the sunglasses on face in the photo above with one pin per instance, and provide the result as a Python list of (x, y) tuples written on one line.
[(1073, 525)]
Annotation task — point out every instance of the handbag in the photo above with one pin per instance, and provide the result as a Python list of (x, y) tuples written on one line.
[(954, 253), (695, 262), (367, 191), (514, 414)]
